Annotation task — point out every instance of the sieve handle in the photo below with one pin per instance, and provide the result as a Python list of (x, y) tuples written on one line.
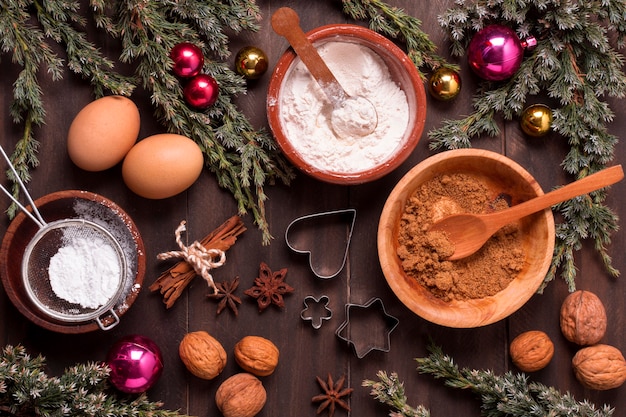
[(24, 210), (104, 326), (35, 216)]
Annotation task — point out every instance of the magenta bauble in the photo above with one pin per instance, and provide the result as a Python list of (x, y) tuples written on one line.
[(201, 91), (188, 59), (495, 53), (136, 364)]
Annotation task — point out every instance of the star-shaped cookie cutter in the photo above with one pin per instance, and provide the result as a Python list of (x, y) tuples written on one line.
[(367, 327), (316, 310), (298, 247)]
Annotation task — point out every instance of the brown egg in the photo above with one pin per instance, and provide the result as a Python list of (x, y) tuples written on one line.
[(162, 166), (103, 132)]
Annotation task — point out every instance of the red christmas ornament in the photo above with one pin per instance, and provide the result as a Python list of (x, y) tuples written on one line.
[(495, 53), (188, 59), (201, 91), (136, 364)]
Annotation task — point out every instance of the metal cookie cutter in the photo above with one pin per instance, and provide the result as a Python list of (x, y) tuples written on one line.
[(367, 327), (316, 310), (306, 233)]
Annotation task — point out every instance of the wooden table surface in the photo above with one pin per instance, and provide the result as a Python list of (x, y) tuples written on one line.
[(304, 351)]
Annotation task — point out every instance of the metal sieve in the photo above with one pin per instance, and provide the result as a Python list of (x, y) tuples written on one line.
[(37, 281), (47, 242)]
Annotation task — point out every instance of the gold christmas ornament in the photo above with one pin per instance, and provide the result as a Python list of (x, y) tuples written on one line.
[(444, 84), (536, 120), (251, 62)]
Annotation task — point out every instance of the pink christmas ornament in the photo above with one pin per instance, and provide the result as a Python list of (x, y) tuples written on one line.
[(495, 53), (136, 364), (201, 91), (188, 59)]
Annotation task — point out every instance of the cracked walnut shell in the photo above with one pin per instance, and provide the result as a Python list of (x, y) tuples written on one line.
[(241, 395), (203, 355), (256, 355), (531, 351), (600, 367), (583, 318)]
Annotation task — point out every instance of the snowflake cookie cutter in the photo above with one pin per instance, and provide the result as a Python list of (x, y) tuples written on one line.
[(305, 233), (316, 310), (367, 327)]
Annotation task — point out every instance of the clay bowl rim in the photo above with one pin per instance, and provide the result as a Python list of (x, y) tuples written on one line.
[(474, 312), (387, 50), (18, 296)]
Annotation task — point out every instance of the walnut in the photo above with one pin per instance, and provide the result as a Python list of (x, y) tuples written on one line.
[(202, 354), (600, 367), (256, 355), (241, 395), (583, 318), (531, 350)]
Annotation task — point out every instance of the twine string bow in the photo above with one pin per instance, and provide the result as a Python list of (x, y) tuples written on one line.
[(201, 259)]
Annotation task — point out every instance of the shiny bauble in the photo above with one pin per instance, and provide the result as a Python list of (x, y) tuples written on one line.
[(536, 120), (201, 91), (495, 53), (188, 60), (251, 62), (136, 364), (444, 84)]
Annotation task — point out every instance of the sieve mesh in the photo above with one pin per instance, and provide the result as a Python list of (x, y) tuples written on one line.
[(35, 270)]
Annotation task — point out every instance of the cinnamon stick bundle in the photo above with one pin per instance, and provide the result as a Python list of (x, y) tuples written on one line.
[(173, 281)]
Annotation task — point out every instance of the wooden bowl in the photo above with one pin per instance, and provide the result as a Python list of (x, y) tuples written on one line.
[(402, 71), (63, 205), (501, 175)]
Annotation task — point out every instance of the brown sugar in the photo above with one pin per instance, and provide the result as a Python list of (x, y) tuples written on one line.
[(423, 253)]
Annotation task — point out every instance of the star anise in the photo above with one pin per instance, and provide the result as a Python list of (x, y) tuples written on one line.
[(226, 295), (333, 394), (269, 287)]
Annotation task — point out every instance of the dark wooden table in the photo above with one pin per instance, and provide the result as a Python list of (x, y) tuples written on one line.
[(306, 352)]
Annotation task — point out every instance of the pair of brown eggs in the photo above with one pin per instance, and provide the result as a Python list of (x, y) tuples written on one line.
[(105, 132)]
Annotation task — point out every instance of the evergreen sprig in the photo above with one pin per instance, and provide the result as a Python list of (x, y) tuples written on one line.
[(242, 158), (575, 65), (507, 395), (389, 390), (396, 23), (82, 390)]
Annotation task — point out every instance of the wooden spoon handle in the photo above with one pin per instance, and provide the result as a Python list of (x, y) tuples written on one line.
[(585, 185), (285, 22)]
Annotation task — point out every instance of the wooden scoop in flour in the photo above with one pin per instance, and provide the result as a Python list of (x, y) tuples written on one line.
[(351, 116), (468, 232)]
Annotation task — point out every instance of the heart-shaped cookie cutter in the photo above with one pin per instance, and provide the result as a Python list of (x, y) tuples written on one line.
[(350, 214)]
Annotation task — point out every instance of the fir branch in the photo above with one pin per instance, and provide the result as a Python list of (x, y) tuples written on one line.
[(83, 58), (242, 158), (30, 51), (576, 66), (82, 390), (396, 23), (390, 391), (507, 395)]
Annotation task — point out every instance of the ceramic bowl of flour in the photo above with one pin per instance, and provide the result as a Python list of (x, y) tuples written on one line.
[(487, 286), (367, 65), (73, 204)]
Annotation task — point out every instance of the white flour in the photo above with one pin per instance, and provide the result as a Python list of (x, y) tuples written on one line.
[(305, 111), (85, 272)]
